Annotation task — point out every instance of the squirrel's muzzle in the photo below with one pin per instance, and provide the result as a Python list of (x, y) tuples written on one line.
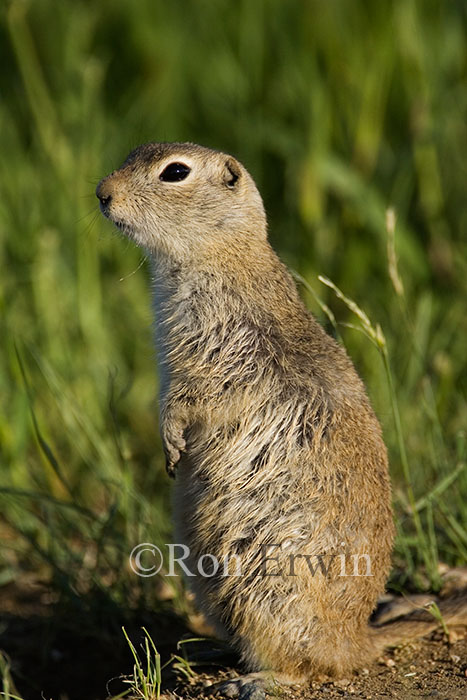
[(104, 195)]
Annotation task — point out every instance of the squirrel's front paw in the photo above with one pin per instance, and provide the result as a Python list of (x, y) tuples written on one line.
[(174, 444)]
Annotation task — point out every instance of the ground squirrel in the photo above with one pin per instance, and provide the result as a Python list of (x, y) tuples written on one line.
[(278, 457)]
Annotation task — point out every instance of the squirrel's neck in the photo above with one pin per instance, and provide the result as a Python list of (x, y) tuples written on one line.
[(249, 276), (211, 302)]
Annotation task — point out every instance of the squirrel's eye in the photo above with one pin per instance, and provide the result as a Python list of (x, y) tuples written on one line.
[(174, 172)]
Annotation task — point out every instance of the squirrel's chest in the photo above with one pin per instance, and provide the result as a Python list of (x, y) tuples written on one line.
[(174, 325)]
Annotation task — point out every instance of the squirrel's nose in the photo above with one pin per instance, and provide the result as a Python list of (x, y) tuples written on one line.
[(104, 195)]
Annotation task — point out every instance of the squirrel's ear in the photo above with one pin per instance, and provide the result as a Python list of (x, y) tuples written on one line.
[(231, 173)]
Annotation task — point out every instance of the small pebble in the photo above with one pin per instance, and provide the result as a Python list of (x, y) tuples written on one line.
[(455, 635)]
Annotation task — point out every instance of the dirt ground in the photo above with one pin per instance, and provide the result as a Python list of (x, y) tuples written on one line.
[(430, 668), (56, 655)]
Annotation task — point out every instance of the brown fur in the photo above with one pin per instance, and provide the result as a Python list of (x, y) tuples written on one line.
[(264, 420)]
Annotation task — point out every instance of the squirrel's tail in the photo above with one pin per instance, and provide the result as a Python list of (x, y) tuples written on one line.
[(419, 623)]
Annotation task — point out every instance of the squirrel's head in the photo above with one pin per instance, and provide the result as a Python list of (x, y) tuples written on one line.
[(178, 199)]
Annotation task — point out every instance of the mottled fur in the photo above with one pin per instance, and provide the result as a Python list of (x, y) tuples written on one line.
[(265, 423)]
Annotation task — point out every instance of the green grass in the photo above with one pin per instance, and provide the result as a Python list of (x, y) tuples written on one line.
[(8, 687), (145, 683), (340, 110)]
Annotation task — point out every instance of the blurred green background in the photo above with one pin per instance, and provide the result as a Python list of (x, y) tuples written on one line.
[(339, 109)]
